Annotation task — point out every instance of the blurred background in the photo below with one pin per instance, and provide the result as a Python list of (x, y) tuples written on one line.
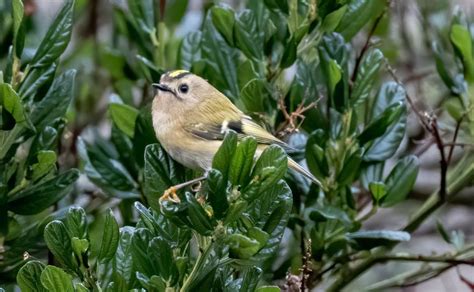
[(103, 54)]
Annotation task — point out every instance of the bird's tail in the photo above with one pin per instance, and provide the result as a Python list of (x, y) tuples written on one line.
[(295, 166)]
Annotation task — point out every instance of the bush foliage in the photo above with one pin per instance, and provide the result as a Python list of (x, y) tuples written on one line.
[(296, 67)]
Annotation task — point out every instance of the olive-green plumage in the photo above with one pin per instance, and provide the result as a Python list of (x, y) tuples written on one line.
[(191, 118)]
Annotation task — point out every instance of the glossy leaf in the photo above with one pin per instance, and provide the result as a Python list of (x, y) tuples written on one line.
[(76, 223), (400, 181), (224, 155), (190, 50), (217, 193), (110, 238), (29, 276), (40, 196), (56, 39), (223, 19), (366, 76), (124, 117), (59, 243), (56, 102), (11, 102), (247, 37), (255, 96), (242, 162), (358, 14), (56, 280), (462, 42)]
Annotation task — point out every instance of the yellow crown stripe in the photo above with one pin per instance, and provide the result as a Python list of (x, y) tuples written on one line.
[(176, 73)]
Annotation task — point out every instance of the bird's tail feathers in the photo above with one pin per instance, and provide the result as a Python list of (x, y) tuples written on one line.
[(295, 166)]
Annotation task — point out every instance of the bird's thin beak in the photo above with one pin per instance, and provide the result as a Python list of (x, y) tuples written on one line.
[(161, 87)]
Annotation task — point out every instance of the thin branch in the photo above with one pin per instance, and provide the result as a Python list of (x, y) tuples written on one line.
[(456, 131), (430, 259), (443, 162), (366, 45)]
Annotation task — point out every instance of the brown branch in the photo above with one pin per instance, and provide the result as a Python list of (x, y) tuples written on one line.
[(456, 131), (366, 45), (291, 123), (443, 162), (306, 270)]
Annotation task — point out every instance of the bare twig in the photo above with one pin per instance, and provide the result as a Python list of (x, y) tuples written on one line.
[(306, 269), (291, 123), (366, 45), (456, 131)]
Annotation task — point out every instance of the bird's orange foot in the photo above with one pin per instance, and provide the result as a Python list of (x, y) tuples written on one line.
[(170, 195)]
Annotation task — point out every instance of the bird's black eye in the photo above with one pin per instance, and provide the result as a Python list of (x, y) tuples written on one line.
[(183, 88)]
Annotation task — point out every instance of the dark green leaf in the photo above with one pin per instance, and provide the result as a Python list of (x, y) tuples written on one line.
[(59, 243), (255, 96), (56, 39), (242, 162), (247, 36), (18, 29), (162, 255), (11, 102), (332, 20), (241, 246), (250, 279), (442, 231), (123, 260), (351, 168), (217, 193), (56, 280), (358, 14), (124, 117), (400, 181), (110, 238), (198, 218), (366, 76), (462, 42), (55, 103), (223, 19), (274, 157), (141, 259), (38, 197), (35, 80), (224, 155), (372, 238), (28, 277), (323, 213), (190, 50), (380, 125), (76, 223)]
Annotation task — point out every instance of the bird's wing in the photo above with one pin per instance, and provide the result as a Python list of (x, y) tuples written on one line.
[(219, 123)]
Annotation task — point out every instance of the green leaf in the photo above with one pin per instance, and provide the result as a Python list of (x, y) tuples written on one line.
[(18, 29), (11, 102), (141, 259), (273, 156), (371, 238), (38, 197), (247, 36), (46, 162), (220, 57), (151, 72), (162, 254), (400, 181), (462, 42), (366, 76), (386, 145), (36, 79), (190, 50), (76, 223), (255, 96), (80, 247), (56, 39), (380, 125), (242, 162), (378, 190), (175, 11), (443, 71), (160, 173), (332, 20), (334, 76), (56, 102), (289, 54), (250, 279), (110, 238), (123, 260), (223, 19), (143, 15), (124, 116), (358, 14), (442, 231), (28, 277), (55, 279), (198, 218), (224, 155), (59, 243), (351, 168), (217, 193), (324, 213), (241, 246)]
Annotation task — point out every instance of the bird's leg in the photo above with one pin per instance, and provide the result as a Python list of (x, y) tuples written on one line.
[(170, 193)]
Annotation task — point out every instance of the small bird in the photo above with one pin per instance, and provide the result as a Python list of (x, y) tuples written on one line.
[(191, 118)]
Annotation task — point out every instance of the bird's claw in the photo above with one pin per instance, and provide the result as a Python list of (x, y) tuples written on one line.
[(170, 195)]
